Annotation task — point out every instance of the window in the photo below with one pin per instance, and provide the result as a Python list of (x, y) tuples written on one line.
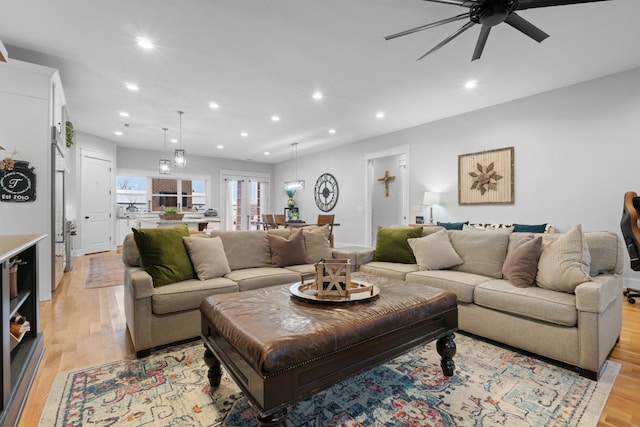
[(156, 194)]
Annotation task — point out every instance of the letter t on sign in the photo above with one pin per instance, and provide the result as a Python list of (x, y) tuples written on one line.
[(386, 178)]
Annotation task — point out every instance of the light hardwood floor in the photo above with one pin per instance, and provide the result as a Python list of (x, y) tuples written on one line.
[(85, 327)]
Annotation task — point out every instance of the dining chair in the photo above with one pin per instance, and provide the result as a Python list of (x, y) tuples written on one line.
[(268, 222), (280, 220), (327, 220)]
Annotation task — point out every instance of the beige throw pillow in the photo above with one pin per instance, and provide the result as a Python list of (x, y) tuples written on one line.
[(207, 256), (521, 264), (434, 252), (289, 251), (316, 241), (483, 253), (564, 262)]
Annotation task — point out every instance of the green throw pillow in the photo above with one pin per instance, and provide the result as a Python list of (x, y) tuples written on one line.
[(163, 254), (392, 245)]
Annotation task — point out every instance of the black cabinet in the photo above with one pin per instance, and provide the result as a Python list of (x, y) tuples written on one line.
[(20, 363)]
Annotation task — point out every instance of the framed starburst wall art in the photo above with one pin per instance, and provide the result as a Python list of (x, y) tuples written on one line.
[(486, 177)]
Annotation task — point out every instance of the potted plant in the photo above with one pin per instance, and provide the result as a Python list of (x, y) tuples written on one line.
[(171, 214)]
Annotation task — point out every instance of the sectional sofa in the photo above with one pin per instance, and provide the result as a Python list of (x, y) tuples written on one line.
[(567, 304), (162, 300)]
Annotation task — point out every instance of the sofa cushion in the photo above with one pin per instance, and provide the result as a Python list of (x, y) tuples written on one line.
[(316, 241), (463, 284), (453, 225), (288, 251), (261, 277), (392, 245), (163, 255), (207, 256), (393, 270), (521, 264), (302, 269), (236, 246), (188, 295), (482, 253), (565, 261), (434, 252), (604, 248), (532, 302)]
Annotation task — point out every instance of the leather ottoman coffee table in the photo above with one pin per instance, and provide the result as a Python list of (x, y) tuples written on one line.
[(279, 349)]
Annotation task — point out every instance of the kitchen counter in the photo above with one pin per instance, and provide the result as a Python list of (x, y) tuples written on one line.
[(145, 220)]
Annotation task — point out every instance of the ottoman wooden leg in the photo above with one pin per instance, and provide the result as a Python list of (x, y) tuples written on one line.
[(273, 420), (215, 370), (447, 349)]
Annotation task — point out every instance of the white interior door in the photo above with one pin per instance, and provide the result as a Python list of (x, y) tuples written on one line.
[(96, 196), (245, 198), (382, 209)]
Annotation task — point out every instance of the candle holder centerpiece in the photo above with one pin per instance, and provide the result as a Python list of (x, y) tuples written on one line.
[(331, 283)]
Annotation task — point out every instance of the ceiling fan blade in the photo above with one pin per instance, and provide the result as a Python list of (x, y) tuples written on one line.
[(526, 27), (427, 26), (482, 40), (530, 4), (463, 3), (464, 28)]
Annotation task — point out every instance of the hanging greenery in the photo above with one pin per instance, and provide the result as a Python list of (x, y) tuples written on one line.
[(70, 137)]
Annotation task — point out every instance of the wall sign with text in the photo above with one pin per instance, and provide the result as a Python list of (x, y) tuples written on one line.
[(17, 183)]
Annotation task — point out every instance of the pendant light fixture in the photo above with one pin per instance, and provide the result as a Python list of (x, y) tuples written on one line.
[(297, 184), (164, 166), (179, 154)]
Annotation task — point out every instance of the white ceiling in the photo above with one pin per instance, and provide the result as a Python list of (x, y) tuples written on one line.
[(257, 58)]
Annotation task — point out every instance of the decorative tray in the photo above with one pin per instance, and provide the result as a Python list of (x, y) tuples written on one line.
[(355, 292)]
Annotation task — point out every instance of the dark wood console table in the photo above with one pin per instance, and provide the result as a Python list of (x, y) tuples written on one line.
[(280, 350), (19, 365)]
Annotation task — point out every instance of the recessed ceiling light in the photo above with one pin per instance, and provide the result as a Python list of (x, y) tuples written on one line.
[(220, 147), (275, 118), (174, 140), (266, 153), (144, 43), (244, 134), (214, 105), (117, 132), (132, 86), (380, 114), (317, 95), (124, 114), (332, 131), (471, 84)]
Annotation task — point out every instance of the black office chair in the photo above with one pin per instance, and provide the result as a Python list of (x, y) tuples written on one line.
[(631, 234)]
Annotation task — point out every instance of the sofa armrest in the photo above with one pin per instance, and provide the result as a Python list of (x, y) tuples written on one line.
[(356, 256), (139, 281), (598, 295)]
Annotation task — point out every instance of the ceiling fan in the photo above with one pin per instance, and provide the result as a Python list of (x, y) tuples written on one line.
[(489, 13)]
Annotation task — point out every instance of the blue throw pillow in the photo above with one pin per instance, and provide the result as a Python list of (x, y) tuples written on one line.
[(525, 228), (453, 225)]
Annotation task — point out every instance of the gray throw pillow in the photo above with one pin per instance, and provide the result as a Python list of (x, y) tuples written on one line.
[(289, 251), (521, 264)]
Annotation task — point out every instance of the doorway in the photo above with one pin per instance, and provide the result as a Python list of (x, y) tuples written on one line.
[(95, 188), (386, 190), (245, 198)]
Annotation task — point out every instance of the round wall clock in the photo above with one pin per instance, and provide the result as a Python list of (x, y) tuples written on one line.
[(326, 192)]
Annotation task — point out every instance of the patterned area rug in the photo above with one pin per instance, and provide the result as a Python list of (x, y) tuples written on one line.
[(491, 386), (105, 270)]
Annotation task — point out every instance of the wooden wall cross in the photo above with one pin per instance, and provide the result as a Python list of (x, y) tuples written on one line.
[(386, 178)]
